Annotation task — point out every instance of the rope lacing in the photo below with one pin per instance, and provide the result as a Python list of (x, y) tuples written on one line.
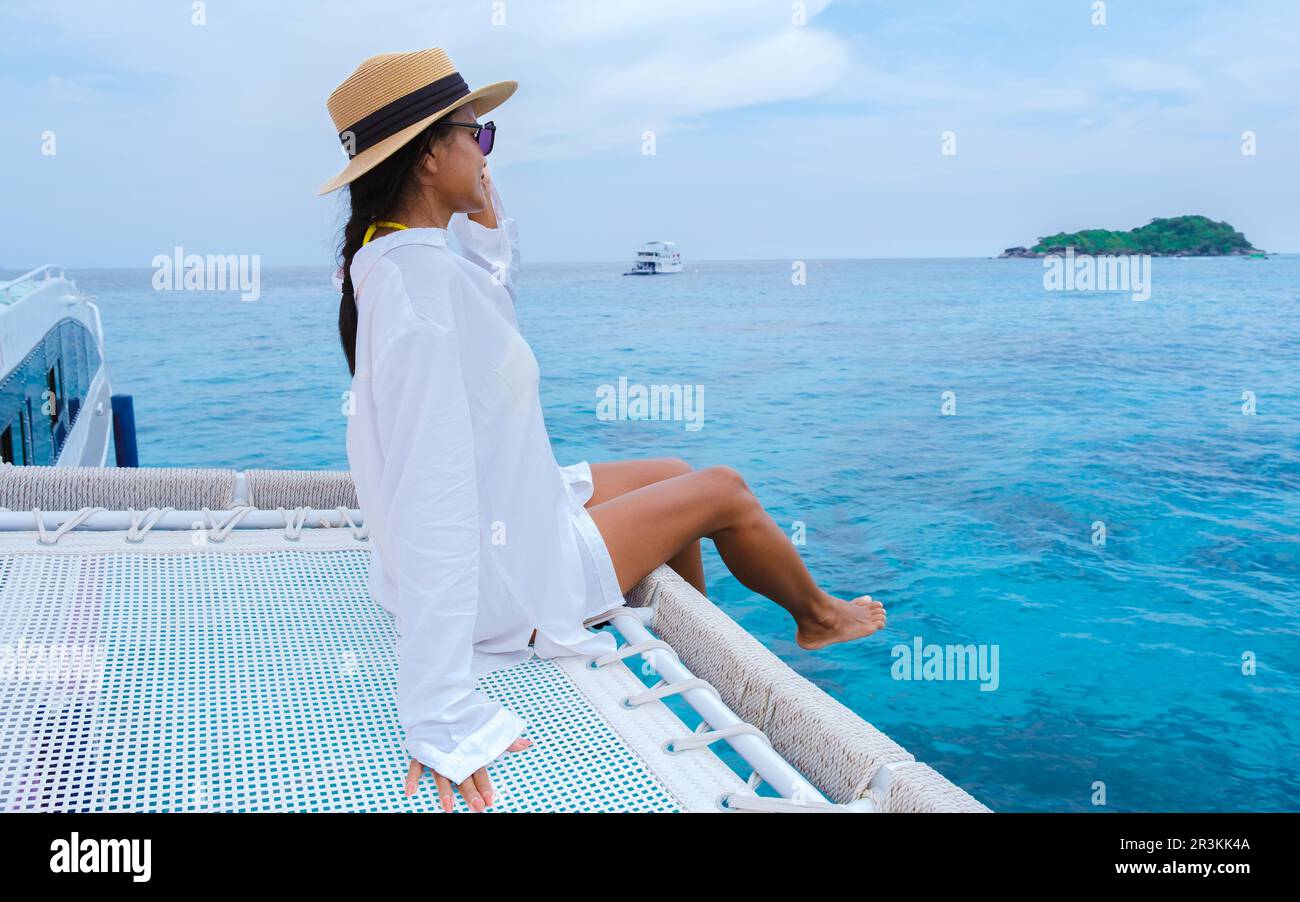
[(293, 521), (736, 801), (752, 801), (71, 523), (143, 521), (149, 518), (703, 736), (663, 689), (360, 533), (629, 650), (218, 533)]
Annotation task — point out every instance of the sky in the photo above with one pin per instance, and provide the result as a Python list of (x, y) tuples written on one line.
[(781, 130)]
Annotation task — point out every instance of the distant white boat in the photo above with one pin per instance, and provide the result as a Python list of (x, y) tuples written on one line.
[(656, 257)]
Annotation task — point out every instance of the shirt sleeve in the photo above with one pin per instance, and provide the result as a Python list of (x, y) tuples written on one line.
[(429, 491), (496, 250)]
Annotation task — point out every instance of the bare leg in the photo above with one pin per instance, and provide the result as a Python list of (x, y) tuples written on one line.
[(619, 477), (646, 527)]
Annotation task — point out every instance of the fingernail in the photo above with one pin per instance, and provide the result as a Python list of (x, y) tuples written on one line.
[(487, 797), (477, 804)]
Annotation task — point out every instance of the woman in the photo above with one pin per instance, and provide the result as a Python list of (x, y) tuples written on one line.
[(485, 550)]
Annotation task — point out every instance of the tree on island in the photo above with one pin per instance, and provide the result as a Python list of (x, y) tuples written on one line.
[(1181, 236)]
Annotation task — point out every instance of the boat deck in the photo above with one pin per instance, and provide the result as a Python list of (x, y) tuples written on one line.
[(227, 656), (261, 678)]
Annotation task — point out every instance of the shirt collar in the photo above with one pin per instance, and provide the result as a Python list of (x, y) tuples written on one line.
[(364, 259)]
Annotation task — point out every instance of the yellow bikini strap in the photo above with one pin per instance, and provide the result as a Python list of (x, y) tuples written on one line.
[(370, 232)]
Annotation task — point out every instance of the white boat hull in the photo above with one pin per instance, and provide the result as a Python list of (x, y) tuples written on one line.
[(55, 392)]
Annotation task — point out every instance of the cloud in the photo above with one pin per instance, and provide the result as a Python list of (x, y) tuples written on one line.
[(668, 90), (222, 130), (1152, 75)]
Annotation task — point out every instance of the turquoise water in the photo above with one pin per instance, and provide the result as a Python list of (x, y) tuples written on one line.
[(1119, 663)]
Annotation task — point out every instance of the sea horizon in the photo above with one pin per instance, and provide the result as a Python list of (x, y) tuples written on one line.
[(12, 271)]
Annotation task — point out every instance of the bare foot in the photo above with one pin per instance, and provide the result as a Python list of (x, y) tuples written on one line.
[(849, 620)]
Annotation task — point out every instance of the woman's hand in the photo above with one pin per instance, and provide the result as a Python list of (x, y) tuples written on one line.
[(477, 790)]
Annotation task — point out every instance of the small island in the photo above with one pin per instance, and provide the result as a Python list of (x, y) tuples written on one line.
[(1178, 236)]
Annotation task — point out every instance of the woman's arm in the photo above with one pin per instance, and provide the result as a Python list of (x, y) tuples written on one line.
[(429, 492), (490, 239)]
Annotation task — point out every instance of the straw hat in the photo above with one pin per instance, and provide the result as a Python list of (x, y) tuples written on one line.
[(391, 98)]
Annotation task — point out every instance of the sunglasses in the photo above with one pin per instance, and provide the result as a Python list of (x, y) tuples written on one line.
[(485, 134)]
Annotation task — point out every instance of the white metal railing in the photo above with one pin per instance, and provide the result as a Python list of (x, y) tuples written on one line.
[(8, 293), (97, 519), (796, 792)]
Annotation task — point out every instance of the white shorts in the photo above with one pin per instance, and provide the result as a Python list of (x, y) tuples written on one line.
[(602, 581)]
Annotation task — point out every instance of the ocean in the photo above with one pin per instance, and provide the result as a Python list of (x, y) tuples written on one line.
[(1101, 495)]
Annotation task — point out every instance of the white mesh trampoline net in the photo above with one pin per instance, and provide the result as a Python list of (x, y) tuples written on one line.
[(258, 675)]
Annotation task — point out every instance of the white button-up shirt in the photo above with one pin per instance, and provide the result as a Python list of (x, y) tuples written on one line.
[(479, 536)]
